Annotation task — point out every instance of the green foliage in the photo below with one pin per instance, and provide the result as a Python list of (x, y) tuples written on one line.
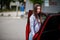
[(36, 1), (21, 0), (1, 14), (6, 2)]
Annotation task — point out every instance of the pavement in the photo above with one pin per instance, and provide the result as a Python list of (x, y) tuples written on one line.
[(12, 13), (12, 28)]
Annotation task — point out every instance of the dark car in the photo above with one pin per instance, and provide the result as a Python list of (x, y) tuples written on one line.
[(50, 29)]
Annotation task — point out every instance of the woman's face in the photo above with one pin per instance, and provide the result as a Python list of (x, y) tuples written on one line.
[(38, 9)]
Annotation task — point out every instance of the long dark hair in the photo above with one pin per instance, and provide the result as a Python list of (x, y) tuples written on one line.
[(35, 10)]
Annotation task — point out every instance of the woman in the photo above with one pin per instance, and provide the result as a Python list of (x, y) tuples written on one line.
[(35, 21)]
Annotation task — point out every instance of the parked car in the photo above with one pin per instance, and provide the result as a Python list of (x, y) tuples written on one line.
[(50, 29)]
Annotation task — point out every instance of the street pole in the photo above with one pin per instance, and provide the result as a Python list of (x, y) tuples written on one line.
[(17, 10), (17, 3)]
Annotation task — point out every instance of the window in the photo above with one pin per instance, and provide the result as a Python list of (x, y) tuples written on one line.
[(46, 3)]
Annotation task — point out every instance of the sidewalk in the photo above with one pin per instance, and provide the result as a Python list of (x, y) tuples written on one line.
[(12, 13)]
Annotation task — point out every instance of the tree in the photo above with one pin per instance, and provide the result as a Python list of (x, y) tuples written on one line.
[(37, 1), (6, 2), (21, 0)]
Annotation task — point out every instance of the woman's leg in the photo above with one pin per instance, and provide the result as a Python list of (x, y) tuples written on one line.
[(30, 36)]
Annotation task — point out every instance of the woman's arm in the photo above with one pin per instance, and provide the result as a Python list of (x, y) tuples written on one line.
[(32, 25)]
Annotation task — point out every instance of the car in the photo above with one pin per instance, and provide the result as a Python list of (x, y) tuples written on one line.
[(50, 29)]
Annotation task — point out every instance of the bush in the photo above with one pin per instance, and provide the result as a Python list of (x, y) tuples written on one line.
[(1, 14), (9, 15)]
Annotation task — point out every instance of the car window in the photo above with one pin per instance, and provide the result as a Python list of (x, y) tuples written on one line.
[(52, 29)]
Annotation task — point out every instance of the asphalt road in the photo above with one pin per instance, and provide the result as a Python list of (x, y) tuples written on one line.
[(12, 28)]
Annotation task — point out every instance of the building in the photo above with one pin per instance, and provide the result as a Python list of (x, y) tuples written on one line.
[(49, 6)]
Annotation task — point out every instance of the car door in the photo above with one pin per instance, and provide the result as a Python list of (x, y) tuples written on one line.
[(51, 31)]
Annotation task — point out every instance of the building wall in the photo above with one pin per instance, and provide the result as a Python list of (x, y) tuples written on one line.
[(29, 6), (52, 8), (49, 9)]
